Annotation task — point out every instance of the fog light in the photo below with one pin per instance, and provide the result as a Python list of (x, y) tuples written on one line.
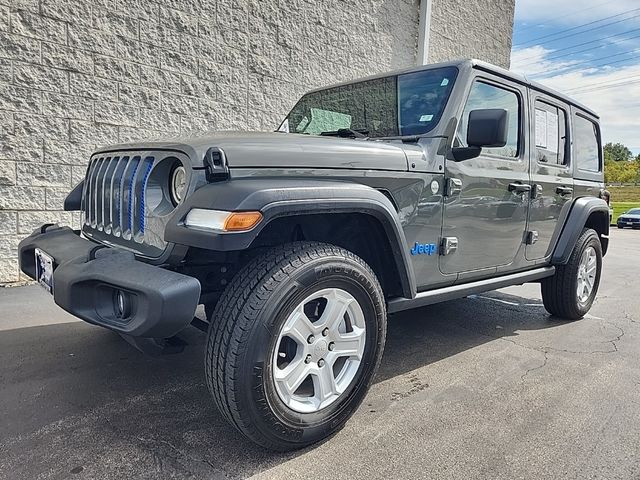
[(121, 304)]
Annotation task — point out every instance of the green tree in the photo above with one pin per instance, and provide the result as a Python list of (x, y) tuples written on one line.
[(617, 152), (621, 172), (611, 171)]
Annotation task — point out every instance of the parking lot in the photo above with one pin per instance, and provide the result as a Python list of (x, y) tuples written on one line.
[(485, 387)]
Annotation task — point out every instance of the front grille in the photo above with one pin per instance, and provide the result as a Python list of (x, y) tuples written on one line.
[(115, 195), (123, 200)]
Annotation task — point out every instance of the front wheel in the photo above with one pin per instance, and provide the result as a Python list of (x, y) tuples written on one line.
[(571, 291), (294, 343)]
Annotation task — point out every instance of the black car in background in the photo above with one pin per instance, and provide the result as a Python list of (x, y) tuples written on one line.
[(630, 219)]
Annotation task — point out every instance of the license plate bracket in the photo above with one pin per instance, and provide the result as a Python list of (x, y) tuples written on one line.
[(44, 269)]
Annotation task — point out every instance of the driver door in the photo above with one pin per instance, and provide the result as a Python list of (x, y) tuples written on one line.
[(485, 210)]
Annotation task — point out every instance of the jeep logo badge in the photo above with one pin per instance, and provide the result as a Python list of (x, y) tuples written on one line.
[(424, 249)]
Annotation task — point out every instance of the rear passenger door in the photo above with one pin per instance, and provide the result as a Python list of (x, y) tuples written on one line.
[(551, 172)]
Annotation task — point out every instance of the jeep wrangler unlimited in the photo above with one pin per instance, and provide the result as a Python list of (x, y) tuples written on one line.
[(373, 196)]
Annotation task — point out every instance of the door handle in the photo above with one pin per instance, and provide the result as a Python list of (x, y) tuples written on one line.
[(519, 188), (453, 187), (564, 190)]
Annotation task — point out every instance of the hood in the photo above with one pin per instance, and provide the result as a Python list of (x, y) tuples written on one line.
[(277, 150)]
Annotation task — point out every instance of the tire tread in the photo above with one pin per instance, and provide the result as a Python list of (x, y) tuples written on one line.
[(558, 291), (236, 313)]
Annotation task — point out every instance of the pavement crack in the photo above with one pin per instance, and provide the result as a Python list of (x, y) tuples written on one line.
[(543, 350), (539, 367), (629, 317), (546, 350), (618, 338)]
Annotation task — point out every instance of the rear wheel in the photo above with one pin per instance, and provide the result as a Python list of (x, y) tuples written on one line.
[(294, 343), (571, 291)]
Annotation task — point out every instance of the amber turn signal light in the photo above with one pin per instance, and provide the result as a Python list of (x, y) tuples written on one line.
[(237, 221)]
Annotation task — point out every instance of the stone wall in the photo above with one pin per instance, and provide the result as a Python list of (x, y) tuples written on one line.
[(75, 74), (479, 29)]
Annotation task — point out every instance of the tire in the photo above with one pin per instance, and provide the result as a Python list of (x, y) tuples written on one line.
[(244, 342), (620, 227), (560, 292)]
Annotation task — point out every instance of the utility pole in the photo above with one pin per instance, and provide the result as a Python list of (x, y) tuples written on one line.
[(424, 28)]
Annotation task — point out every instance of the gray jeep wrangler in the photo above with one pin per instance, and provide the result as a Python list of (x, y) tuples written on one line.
[(374, 196)]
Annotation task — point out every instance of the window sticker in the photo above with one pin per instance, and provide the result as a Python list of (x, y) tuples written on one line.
[(426, 118), (541, 128), (547, 133), (445, 82), (552, 132)]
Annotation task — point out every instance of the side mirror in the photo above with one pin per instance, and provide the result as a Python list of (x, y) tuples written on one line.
[(486, 128)]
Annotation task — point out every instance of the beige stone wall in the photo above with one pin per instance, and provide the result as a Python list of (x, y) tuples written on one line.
[(76, 74), (479, 29)]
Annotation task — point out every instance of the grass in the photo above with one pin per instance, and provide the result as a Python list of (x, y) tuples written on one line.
[(630, 193), (621, 207)]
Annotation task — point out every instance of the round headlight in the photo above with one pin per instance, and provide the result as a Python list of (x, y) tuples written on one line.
[(178, 184)]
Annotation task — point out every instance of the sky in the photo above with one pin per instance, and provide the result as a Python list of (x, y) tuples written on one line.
[(589, 50)]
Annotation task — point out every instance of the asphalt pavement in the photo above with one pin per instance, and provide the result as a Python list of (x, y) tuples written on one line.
[(489, 386)]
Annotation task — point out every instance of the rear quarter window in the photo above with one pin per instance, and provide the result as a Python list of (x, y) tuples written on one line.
[(586, 145)]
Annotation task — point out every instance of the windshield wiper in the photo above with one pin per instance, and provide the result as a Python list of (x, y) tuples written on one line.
[(346, 133)]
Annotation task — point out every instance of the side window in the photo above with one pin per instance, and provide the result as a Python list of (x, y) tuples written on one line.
[(585, 144), (550, 133), (484, 95)]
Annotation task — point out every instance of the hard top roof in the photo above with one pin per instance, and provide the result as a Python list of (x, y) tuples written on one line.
[(479, 65)]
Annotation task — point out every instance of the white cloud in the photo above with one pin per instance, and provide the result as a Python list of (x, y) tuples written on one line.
[(619, 107), (532, 60)]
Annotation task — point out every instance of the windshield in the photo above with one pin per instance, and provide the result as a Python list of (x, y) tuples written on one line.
[(634, 211), (407, 104)]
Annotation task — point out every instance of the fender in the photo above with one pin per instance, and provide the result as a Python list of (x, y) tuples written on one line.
[(577, 218), (286, 197)]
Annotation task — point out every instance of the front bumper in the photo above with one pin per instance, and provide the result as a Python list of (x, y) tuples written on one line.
[(628, 223), (87, 276)]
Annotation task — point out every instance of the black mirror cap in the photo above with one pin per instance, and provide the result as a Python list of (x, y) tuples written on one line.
[(73, 201), (488, 128), (460, 154)]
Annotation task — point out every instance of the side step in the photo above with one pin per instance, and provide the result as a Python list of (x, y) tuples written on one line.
[(458, 291)]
